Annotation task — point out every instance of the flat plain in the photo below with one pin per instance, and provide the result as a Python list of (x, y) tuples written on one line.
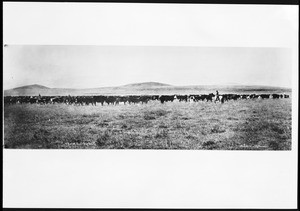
[(253, 124)]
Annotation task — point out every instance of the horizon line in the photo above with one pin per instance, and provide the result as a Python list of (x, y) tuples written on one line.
[(228, 84)]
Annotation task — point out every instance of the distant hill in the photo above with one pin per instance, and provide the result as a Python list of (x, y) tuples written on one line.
[(147, 88), (147, 84), (34, 86), (34, 89)]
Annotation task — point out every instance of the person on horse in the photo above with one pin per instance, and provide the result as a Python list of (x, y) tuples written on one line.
[(39, 98)]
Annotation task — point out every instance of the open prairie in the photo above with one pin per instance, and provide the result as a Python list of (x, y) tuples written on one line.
[(253, 124)]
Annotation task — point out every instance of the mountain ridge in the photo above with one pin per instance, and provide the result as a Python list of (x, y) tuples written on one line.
[(33, 86), (141, 89), (147, 84)]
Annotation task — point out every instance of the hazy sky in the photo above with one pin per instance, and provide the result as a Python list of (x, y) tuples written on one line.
[(88, 45), (97, 66)]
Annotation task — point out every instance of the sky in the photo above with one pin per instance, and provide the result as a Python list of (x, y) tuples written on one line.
[(88, 45), (99, 66)]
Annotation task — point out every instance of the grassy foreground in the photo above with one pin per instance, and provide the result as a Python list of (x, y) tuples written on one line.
[(235, 125)]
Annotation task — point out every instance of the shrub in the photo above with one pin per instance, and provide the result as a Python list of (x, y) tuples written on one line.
[(102, 139), (277, 129), (163, 126), (160, 112), (209, 144), (217, 129), (274, 145), (162, 134), (148, 116)]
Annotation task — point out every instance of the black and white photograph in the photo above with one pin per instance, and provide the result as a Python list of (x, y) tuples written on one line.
[(146, 105), (139, 97)]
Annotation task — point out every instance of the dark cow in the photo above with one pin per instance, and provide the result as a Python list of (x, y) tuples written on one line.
[(44, 100), (89, 100), (57, 99), (275, 96), (144, 99), (99, 99), (166, 98), (155, 97), (244, 96), (224, 98), (72, 100), (133, 99), (253, 96), (182, 98), (234, 96), (9, 100), (264, 96), (110, 100), (194, 98), (32, 100), (121, 99), (209, 97)]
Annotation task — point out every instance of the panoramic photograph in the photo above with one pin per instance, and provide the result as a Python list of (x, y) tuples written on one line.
[(150, 105), (147, 97)]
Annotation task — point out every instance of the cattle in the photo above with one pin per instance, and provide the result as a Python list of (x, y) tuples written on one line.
[(209, 97), (32, 100), (253, 96), (155, 97), (99, 99), (121, 99), (275, 96), (166, 98), (110, 100), (55, 100), (182, 98), (197, 98), (144, 99), (233, 96), (87, 100), (225, 97), (243, 96), (132, 99), (194, 98), (78, 100), (218, 98), (69, 100), (43, 100), (264, 96), (8, 100)]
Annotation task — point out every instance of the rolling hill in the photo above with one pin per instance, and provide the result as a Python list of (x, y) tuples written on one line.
[(147, 88), (147, 85), (31, 87)]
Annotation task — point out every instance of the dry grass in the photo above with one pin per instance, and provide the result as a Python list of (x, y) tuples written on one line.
[(235, 125)]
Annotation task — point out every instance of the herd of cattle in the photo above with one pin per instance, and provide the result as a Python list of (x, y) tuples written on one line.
[(133, 99)]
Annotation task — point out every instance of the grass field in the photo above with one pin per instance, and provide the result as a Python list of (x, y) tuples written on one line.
[(235, 125)]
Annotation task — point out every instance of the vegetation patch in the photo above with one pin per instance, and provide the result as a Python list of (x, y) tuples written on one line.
[(209, 145), (234, 125), (217, 129), (103, 138), (162, 134)]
